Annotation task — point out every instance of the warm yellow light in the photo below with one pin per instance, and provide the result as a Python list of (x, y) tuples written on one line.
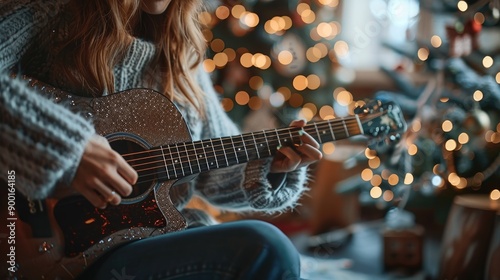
[(324, 29), (250, 19), (423, 54), (313, 82), (408, 179), (256, 82), (412, 149), (497, 78), (306, 113), (209, 65), (393, 179), (246, 60), (238, 10), (374, 162), (495, 195), (388, 195), (285, 92), (326, 112), (376, 192), (366, 174), (300, 82), (312, 107), (285, 57), (479, 17), (487, 61), (323, 49), (463, 138), (369, 154), (436, 41), (242, 98), (313, 54), (344, 98), (227, 104), (376, 180), (231, 54), (217, 45), (454, 179), (302, 7), (222, 12), (478, 95), (308, 16), (258, 60), (328, 148), (341, 48), (462, 6), (447, 126), (450, 145), (416, 125), (220, 59)]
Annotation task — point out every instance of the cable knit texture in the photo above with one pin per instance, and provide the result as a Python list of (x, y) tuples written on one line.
[(43, 141)]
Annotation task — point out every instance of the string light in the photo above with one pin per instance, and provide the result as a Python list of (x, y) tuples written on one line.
[(495, 195), (462, 6), (436, 41), (487, 61)]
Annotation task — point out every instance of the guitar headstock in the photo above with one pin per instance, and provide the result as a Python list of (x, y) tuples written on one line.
[(382, 119)]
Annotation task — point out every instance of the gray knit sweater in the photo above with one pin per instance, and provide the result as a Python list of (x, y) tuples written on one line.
[(43, 142)]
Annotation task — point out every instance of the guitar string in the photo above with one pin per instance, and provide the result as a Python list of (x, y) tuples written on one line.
[(236, 139), (182, 155), (200, 149), (337, 123), (164, 175), (312, 127), (183, 169)]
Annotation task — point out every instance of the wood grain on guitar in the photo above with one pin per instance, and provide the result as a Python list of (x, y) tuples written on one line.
[(139, 123)]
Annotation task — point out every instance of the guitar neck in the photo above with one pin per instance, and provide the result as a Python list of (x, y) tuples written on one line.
[(188, 158)]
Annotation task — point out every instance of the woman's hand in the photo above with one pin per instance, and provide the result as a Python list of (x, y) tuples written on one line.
[(291, 158), (103, 176)]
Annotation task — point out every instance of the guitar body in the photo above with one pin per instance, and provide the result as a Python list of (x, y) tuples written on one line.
[(132, 121)]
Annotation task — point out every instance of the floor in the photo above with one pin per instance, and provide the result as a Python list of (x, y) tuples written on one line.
[(356, 254)]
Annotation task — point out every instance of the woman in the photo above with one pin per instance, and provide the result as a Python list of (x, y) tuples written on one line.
[(92, 48)]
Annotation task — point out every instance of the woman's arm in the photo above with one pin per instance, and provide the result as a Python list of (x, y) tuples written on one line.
[(44, 143)]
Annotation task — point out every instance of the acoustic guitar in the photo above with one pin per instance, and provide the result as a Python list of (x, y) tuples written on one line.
[(146, 128)]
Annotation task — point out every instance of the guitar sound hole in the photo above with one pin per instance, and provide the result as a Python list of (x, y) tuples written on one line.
[(145, 162)]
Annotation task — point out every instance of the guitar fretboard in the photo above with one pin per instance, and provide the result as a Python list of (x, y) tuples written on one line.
[(183, 159)]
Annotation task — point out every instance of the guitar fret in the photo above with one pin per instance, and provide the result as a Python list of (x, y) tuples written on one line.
[(360, 127), (234, 149), (345, 128), (317, 132), (188, 159), (256, 147), (267, 142), (197, 159), (172, 159), (245, 147), (224, 150), (278, 137), (180, 159), (215, 154), (331, 131), (203, 155), (165, 161)]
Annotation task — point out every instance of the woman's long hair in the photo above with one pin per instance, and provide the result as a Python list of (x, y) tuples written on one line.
[(101, 31)]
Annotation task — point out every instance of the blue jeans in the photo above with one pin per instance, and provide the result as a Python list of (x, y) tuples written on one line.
[(235, 250)]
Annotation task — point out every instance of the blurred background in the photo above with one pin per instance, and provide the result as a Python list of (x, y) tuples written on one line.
[(387, 209)]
